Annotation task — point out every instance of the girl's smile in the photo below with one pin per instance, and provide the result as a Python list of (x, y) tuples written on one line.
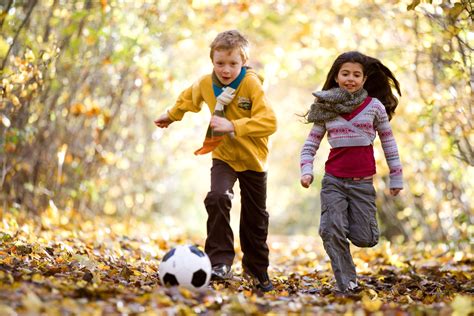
[(351, 77)]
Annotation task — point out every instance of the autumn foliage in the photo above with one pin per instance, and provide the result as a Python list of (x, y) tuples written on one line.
[(82, 167), (66, 264)]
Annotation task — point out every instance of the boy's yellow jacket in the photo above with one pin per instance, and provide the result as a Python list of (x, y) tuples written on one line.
[(249, 112)]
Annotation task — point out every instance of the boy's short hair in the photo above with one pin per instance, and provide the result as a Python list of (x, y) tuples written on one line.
[(230, 40)]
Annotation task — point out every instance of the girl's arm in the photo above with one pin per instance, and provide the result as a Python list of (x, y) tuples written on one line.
[(308, 152), (390, 148)]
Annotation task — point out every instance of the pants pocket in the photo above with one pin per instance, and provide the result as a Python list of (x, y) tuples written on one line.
[(375, 231), (324, 220)]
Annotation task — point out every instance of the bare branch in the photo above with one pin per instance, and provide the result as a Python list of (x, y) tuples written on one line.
[(30, 10), (48, 26), (5, 13)]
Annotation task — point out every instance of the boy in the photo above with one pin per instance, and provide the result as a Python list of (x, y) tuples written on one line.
[(238, 134)]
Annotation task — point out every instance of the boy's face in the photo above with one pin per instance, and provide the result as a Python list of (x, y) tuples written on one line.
[(227, 65)]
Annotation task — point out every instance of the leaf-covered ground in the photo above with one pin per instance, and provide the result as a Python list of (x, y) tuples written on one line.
[(63, 265)]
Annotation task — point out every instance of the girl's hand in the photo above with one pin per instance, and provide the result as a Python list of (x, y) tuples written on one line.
[(395, 191), (163, 121), (221, 124), (306, 180)]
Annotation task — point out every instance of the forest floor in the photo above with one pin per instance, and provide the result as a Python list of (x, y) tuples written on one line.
[(62, 264)]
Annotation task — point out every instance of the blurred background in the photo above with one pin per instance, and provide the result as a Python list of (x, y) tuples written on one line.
[(82, 82)]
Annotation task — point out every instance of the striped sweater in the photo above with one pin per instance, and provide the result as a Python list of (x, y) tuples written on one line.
[(373, 118)]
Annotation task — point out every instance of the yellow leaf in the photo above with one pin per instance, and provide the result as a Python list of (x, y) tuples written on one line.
[(15, 100), (106, 61), (371, 305), (456, 10), (81, 283), (3, 47), (149, 269), (94, 110), (462, 305), (8, 88), (373, 294), (103, 267), (38, 278), (32, 302), (467, 275), (248, 293), (91, 40), (163, 300), (218, 286), (30, 56), (7, 310), (33, 86), (46, 56), (77, 109), (413, 5), (185, 292)]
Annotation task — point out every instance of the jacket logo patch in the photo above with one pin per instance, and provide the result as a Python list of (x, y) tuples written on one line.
[(244, 103)]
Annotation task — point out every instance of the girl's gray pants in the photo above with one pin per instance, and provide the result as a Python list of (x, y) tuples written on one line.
[(348, 211)]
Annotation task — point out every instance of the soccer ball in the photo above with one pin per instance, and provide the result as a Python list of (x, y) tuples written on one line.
[(185, 266)]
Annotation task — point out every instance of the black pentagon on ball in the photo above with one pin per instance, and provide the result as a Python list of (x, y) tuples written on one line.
[(196, 251), (199, 278), (169, 254), (170, 280)]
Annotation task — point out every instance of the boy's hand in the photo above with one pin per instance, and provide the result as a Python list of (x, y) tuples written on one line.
[(221, 124), (306, 180), (226, 96), (163, 121), (395, 191)]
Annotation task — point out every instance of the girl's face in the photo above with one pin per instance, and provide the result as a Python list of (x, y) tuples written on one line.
[(351, 77), (227, 65)]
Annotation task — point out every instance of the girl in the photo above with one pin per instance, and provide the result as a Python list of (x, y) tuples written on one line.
[(356, 101)]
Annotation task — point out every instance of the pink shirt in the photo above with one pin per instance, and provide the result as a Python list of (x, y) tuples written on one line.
[(353, 149), (350, 162)]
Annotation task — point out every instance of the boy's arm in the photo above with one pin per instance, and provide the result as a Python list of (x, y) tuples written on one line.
[(190, 100), (262, 121), (389, 147), (163, 121)]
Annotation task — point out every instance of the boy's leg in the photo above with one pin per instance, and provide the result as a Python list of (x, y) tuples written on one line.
[(334, 228), (254, 221), (220, 239), (363, 228)]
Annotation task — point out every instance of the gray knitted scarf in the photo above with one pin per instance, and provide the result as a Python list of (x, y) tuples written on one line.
[(328, 104)]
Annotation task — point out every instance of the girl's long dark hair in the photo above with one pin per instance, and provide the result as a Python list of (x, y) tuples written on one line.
[(379, 83)]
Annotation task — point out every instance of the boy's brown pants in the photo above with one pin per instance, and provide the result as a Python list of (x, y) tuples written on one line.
[(253, 217)]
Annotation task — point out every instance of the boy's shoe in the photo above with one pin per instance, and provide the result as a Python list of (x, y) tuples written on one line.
[(221, 272), (261, 280)]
